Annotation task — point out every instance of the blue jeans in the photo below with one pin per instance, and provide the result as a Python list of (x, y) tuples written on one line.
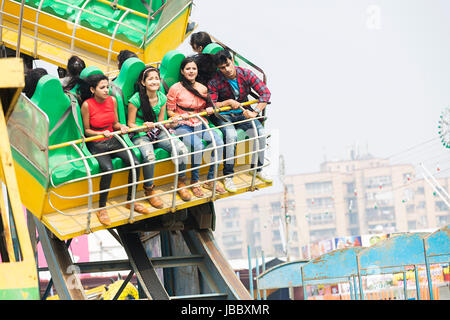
[(194, 142), (230, 137), (148, 154)]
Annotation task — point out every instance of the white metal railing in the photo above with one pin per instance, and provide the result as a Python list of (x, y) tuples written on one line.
[(175, 157)]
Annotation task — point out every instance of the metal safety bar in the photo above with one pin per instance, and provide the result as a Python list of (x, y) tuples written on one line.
[(174, 157), (156, 161)]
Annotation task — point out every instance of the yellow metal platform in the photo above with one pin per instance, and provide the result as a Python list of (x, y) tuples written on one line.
[(74, 222)]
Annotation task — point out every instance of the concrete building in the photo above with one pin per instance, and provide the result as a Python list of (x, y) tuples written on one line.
[(345, 198)]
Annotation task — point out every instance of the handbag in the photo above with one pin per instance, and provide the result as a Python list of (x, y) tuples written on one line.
[(153, 134)]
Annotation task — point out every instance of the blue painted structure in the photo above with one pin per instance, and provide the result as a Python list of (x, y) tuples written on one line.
[(437, 250), (393, 255)]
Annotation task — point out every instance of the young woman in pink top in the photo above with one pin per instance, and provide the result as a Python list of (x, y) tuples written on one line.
[(184, 98)]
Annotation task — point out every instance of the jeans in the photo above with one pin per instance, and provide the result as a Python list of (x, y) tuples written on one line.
[(105, 163), (194, 142), (148, 154), (230, 137)]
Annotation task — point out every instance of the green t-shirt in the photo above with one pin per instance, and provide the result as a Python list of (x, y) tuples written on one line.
[(140, 116)]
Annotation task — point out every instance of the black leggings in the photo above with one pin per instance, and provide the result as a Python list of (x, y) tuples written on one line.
[(105, 162)]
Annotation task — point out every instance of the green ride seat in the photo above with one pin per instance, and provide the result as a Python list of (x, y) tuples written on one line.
[(62, 10), (98, 21), (170, 68), (50, 98), (137, 22), (213, 48)]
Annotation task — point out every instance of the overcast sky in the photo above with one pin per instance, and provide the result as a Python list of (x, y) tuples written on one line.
[(344, 72)]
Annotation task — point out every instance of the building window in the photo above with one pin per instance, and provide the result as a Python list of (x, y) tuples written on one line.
[(290, 188), (276, 206), (234, 254), (278, 249), (410, 208), (321, 218), (325, 187), (350, 186), (382, 213), (230, 213), (442, 220), (421, 205), (420, 190), (412, 225), (276, 235), (352, 218), (440, 206), (376, 182), (320, 203)]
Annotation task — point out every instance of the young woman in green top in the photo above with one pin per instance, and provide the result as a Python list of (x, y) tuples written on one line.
[(146, 107)]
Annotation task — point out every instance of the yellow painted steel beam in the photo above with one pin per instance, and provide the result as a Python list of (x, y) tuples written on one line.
[(29, 272), (168, 38)]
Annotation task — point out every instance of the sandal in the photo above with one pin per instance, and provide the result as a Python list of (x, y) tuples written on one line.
[(103, 217), (138, 208), (197, 191), (209, 186), (154, 201)]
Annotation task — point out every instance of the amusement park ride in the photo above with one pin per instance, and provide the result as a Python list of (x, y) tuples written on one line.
[(46, 167)]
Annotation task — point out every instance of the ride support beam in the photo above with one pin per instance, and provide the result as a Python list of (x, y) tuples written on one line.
[(142, 266), (63, 270)]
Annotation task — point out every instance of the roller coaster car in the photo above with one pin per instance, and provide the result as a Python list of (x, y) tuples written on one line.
[(59, 185), (53, 30)]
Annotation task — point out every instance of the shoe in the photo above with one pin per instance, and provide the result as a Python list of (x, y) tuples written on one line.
[(184, 194), (138, 208), (229, 185), (264, 176), (103, 217), (197, 191), (209, 186), (156, 201)]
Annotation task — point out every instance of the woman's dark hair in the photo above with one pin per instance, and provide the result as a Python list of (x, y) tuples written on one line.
[(124, 55), (84, 90), (31, 80), (74, 67), (147, 109), (200, 39), (206, 67), (188, 85)]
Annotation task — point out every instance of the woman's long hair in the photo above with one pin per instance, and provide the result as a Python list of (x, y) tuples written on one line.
[(84, 90), (188, 85), (75, 65), (147, 109)]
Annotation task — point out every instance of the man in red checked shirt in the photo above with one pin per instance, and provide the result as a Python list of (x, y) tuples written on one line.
[(230, 86)]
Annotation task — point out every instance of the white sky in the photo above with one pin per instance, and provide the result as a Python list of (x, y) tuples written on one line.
[(343, 72)]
